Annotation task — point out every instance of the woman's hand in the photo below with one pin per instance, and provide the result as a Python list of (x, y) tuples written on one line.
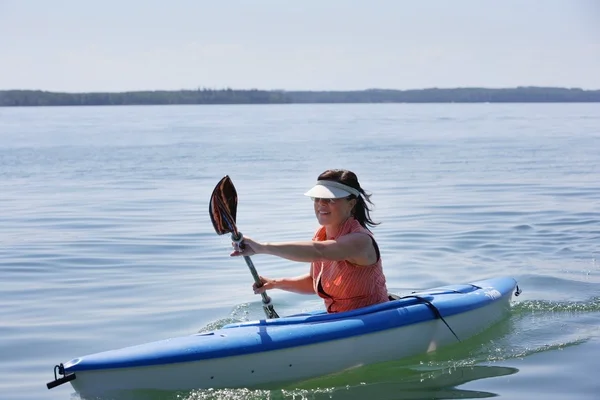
[(250, 248), (267, 284)]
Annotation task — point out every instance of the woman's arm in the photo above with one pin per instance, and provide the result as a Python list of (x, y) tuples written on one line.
[(301, 284), (354, 247)]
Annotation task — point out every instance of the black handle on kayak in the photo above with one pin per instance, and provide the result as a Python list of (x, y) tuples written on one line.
[(59, 369)]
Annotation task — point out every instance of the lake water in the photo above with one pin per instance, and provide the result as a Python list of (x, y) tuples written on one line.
[(105, 238)]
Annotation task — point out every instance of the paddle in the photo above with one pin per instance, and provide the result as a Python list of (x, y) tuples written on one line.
[(222, 211)]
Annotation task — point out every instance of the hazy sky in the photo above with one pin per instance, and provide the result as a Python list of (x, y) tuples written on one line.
[(109, 45)]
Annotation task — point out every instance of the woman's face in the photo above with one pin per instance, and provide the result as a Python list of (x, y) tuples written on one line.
[(333, 211)]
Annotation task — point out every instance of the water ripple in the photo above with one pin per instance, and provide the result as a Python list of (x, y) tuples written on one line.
[(107, 242)]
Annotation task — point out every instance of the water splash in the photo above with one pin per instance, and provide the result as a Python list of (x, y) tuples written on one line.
[(249, 394), (544, 306), (241, 313)]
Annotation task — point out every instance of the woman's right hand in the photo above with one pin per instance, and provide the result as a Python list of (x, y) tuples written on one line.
[(267, 284), (248, 248)]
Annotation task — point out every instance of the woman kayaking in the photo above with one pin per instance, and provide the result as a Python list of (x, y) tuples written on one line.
[(346, 269)]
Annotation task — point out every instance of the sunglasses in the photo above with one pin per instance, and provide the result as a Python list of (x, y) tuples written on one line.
[(329, 201)]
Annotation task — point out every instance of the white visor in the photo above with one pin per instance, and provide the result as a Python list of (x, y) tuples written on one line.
[(331, 190)]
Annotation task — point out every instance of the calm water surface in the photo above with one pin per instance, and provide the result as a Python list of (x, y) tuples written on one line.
[(105, 238)]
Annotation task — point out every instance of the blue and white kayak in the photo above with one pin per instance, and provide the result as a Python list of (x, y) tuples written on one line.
[(273, 352)]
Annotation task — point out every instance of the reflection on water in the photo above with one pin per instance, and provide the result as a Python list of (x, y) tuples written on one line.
[(398, 382), (382, 382)]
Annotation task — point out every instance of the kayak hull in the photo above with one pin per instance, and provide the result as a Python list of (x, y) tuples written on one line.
[(271, 353)]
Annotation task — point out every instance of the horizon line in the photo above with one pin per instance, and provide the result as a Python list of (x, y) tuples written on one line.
[(206, 88)]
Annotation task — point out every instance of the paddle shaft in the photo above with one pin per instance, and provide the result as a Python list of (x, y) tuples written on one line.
[(266, 299), (267, 306)]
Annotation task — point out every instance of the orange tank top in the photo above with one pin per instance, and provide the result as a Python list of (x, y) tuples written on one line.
[(345, 286)]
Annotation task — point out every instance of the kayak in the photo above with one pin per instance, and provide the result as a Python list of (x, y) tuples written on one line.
[(270, 353)]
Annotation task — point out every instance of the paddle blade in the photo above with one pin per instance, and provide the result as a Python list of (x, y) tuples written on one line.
[(223, 207)]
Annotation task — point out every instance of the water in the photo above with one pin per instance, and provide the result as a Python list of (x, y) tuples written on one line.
[(106, 240)]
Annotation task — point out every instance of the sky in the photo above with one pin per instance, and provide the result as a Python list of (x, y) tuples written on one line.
[(109, 45)]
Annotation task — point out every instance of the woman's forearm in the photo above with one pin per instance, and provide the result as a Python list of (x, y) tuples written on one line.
[(300, 284), (294, 251)]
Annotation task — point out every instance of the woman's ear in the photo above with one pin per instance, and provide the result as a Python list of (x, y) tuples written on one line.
[(353, 206)]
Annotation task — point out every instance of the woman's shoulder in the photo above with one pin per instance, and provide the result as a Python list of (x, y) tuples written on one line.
[(356, 227)]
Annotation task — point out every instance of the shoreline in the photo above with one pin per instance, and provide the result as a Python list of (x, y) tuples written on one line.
[(201, 96)]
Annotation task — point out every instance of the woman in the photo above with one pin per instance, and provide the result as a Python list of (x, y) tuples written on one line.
[(346, 269)]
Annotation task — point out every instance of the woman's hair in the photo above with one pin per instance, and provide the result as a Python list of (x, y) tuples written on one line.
[(361, 211)]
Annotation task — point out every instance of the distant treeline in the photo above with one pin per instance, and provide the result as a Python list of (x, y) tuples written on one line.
[(15, 98)]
